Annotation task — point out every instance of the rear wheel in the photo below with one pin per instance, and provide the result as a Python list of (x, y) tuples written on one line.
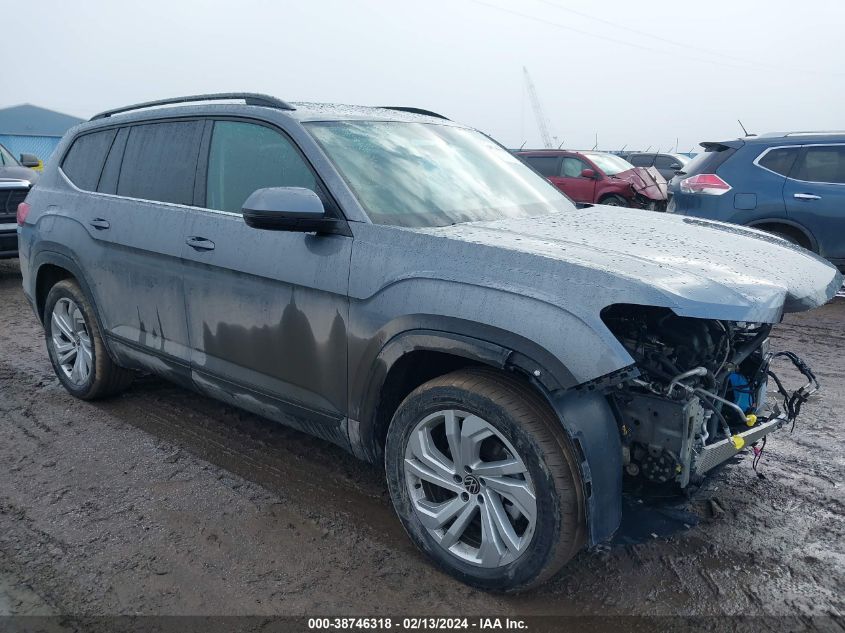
[(483, 478), (75, 346)]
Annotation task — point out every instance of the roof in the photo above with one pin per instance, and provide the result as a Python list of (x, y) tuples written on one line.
[(788, 138), (31, 120), (306, 111), (302, 111)]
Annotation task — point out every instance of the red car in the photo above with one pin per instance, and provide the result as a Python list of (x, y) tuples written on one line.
[(600, 178)]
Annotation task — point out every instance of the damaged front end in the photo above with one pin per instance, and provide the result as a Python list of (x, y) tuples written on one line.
[(700, 397), (649, 190)]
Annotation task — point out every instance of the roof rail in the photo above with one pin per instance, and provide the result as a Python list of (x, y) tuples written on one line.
[(250, 98), (802, 133), (415, 111), (815, 133)]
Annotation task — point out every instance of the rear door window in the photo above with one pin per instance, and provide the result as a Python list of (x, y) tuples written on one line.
[(160, 161), (779, 160), (545, 165), (822, 163), (83, 162), (245, 157)]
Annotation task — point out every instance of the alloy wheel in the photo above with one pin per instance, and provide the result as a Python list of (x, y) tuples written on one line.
[(470, 489), (71, 341)]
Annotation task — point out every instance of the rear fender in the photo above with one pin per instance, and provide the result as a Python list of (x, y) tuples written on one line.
[(54, 257)]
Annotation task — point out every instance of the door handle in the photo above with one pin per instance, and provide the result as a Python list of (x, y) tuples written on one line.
[(100, 224), (806, 196), (200, 244)]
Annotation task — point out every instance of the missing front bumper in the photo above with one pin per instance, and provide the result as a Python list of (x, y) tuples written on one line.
[(714, 454)]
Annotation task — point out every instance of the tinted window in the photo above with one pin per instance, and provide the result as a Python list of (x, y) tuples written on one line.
[(111, 170), (666, 162), (641, 160), (822, 164), (546, 165), (245, 157), (571, 167), (780, 160), (708, 161), (160, 162), (84, 161)]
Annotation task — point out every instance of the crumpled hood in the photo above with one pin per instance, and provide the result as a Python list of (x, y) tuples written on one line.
[(646, 181), (695, 267)]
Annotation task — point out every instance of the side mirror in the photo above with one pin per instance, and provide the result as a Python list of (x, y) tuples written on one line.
[(588, 173), (286, 209), (30, 160), (675, 166)]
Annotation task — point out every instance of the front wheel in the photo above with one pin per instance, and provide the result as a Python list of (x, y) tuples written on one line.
[(614, 201), (483, 478)]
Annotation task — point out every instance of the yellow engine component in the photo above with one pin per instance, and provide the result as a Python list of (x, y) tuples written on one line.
[(738, 442), (750, 419)]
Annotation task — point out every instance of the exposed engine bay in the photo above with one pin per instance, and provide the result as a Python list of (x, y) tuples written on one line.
[(700, 396)]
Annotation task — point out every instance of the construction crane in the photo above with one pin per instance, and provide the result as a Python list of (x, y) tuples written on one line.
[(538, 111)]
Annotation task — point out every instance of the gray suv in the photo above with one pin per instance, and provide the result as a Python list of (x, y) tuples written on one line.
[(404, 287)]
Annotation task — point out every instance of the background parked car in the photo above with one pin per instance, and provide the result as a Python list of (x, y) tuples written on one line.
[(666, 164), (792, 185), (600, 178), (12, 193), (24, 169)]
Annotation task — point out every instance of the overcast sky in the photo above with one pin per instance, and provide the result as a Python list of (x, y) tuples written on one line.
[(635, 73)]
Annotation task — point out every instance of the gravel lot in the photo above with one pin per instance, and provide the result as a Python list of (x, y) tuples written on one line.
[(165, 502)]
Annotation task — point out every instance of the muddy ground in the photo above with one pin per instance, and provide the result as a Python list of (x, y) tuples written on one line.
[(165, 502)]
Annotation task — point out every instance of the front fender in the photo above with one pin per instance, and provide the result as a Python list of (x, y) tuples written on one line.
[(584, 413), (589, 421)]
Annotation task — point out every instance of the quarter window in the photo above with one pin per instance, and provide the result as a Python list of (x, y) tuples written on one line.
[(780, 160), (822, 164), (245, 157), (160, 162), (84, 160)]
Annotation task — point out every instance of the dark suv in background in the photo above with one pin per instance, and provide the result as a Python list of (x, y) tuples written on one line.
[(792, 185)]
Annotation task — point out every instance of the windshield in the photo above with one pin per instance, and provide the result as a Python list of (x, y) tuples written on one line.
[(422, 175), (6, 158), (610, 164)]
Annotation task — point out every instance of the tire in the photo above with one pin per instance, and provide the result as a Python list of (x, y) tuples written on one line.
[(76, 348), (614, 201), (522, 430)]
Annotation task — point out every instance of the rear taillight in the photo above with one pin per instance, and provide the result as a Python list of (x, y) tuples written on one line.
[(709, 184), (23, 211)]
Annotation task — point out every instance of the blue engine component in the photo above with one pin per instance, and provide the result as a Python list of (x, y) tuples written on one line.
[(743, 396)]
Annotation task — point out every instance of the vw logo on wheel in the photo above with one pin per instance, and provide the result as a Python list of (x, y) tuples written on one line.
[(471, 484)]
